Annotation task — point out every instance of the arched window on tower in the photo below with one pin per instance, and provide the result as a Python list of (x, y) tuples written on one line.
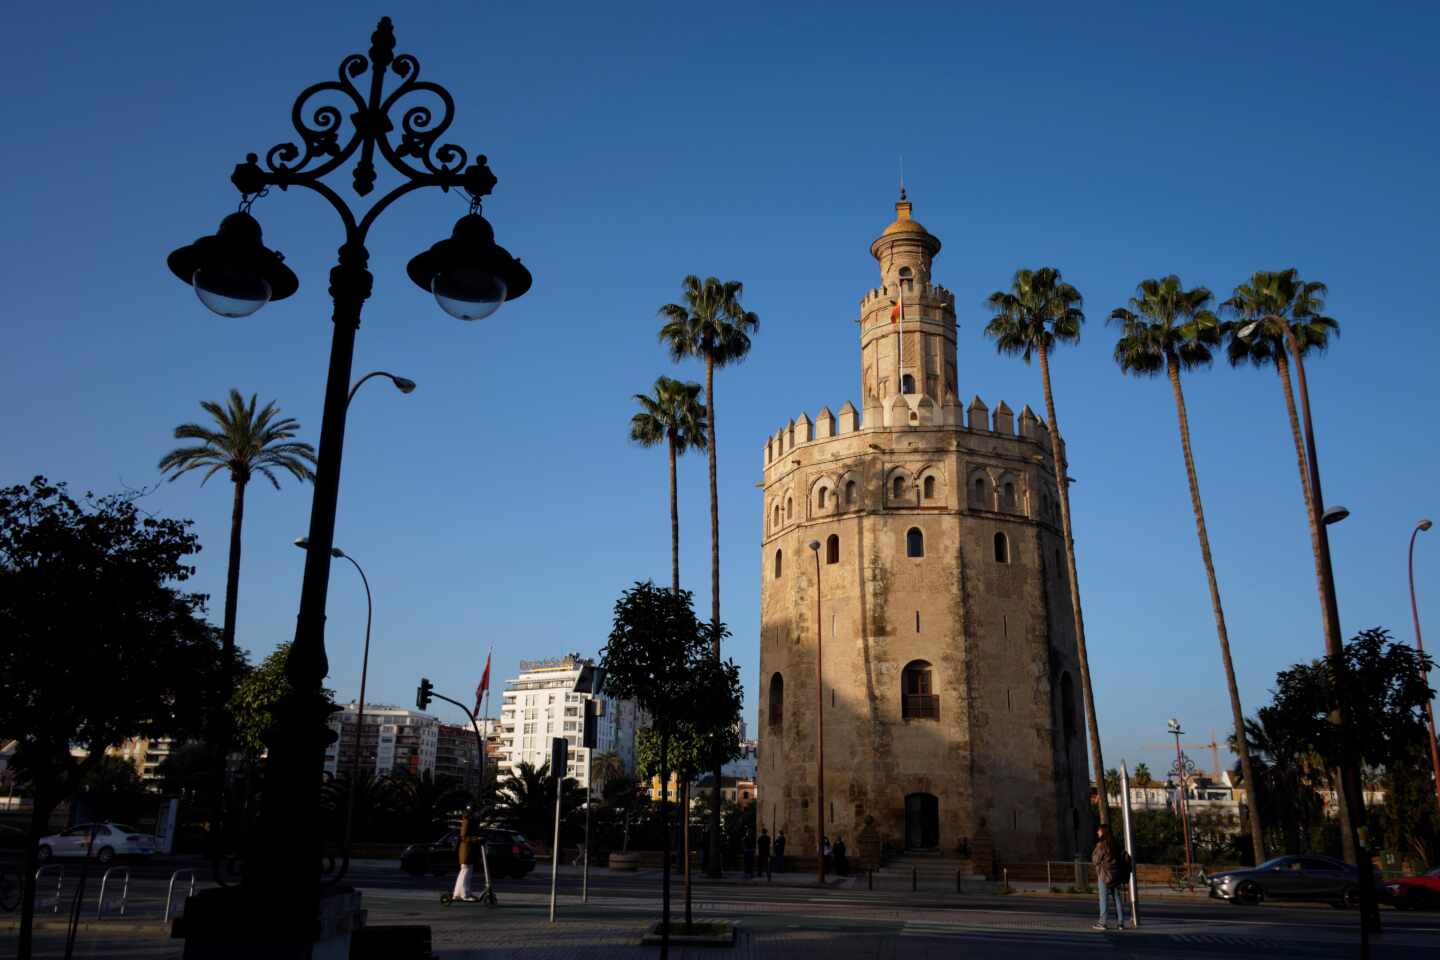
[(907, 384), (776, 524), (821, 497), (832, 548), (917, 701), (777, 702), (929, 488), (789, 508), (779, 563), (897, 488), (1008, 497), (979, 491), (1002, 548), (914, 542), (850, 493), (907, 279)]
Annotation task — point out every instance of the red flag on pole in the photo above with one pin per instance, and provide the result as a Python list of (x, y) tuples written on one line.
[(484, 683)]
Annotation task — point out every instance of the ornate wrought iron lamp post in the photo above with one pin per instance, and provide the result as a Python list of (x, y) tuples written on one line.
[(278, 904)]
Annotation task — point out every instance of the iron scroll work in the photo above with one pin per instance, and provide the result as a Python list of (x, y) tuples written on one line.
[(414, 151), (325, 144)]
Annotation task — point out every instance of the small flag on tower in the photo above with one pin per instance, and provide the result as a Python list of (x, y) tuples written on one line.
[(484, 682)]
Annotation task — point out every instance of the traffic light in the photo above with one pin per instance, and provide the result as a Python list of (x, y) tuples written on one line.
[(593, 710), (559, 748), (423, 693)]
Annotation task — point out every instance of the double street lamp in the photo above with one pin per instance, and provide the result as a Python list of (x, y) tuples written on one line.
[(234, 274)]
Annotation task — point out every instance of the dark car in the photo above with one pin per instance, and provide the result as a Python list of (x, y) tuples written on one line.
[(1290, 878), (508, 852), (1415, 893)]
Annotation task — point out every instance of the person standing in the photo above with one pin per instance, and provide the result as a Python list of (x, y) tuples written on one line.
[(467, 852), (747, 847), (780, 852), (1106, 858), (762, 850)]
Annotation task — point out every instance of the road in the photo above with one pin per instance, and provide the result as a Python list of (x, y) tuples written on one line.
[(788, 918)]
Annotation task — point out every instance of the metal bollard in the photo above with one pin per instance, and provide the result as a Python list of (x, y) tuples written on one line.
[(170, 893), (958, 887), (1049, 883), (914, 879), (1005, 879), (870, 879), (54, 905), (124, 892)]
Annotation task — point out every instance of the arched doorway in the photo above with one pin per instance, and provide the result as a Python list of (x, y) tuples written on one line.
[(922, 821)]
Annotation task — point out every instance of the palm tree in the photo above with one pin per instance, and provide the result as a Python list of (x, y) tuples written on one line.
[(1039, 311), (712, 325), (1167, 327), (672, 415), (243, 442), (526, 801), (1142, 775)]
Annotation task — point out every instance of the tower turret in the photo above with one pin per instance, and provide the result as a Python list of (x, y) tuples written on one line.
[(907, 305)]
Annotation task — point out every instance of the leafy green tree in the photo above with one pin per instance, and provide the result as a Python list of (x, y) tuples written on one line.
[(187, 770), (1290, 780), (712, 325), (1038, 312), (112, 777), (256, 697), (658, 654), (99, 645), (244, 443), (1169, 328), (672, 415)]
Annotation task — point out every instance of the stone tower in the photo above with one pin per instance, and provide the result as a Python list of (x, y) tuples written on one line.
[(951, 716)]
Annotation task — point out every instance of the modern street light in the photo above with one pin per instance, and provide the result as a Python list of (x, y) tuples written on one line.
[(1420, 648), (1334, 646), (403, 384), (232, 272), (336, 552), (1173, 726), (819, 726)]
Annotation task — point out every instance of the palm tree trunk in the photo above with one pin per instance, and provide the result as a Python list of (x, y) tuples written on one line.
[(665, 842), (1257, 836), (1091, 721), (674, 523), (232, 582), (714, 870), (1282, 366)]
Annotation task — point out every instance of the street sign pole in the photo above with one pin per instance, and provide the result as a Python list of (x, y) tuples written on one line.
[(1129, 845), (558, 746)]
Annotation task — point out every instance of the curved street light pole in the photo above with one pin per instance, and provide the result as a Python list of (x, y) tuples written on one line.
[(1420, 647), (403, 384), (819, 726)]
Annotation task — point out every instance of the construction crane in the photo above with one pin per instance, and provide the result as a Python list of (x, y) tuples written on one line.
[(1213, 746)]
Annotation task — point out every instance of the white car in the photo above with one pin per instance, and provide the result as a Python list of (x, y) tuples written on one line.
[(103, 841)]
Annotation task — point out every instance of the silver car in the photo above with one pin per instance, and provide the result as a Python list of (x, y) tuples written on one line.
[(1304, 877), (103, 841)]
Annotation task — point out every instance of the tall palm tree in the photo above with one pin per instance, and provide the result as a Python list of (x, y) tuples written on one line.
[(1038, 312), (1169, 328), (1142, 775), (672, 415), (244, 442), (712, 325)]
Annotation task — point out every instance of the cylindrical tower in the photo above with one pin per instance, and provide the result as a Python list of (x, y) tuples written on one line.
[(951, 720)]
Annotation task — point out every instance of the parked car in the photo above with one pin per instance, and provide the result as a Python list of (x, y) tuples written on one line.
[(1290, 878), (1415, 893), (103, 841), (508, 852)]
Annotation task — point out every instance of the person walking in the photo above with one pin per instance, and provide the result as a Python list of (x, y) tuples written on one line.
[(1107, 858), (762, 851), (747, 847), (780, 852), (467, 852)]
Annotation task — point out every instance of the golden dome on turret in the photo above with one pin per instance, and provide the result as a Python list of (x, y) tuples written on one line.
[(904, 226)]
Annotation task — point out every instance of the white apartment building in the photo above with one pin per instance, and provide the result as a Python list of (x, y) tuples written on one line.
[(541, 704), (392, 739)]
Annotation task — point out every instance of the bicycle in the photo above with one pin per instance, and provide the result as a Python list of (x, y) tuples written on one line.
[(1193, 879)]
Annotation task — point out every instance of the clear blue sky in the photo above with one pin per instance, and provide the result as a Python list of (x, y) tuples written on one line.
[(634, 144)]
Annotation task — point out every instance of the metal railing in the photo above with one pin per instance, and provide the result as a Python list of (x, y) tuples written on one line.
[(170, 893), (113, 904), (42, 903), (920, 706)]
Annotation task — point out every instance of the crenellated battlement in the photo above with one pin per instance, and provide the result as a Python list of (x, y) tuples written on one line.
[(923, 291), (910, 411)]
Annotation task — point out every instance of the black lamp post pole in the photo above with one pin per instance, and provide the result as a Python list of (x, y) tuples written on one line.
[(278, 902)]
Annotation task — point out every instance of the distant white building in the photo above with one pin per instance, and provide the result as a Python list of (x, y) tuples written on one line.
[(540, 704), (743, 767), (393, 739)]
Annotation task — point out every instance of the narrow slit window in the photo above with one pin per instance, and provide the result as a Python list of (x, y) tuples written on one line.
[(789, 508), (832, 548), (914, 543)]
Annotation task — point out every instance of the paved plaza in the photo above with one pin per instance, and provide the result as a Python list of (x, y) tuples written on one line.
[(787, 918)]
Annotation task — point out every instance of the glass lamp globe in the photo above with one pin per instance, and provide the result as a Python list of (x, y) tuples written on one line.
[(468, 292), (230, 292)]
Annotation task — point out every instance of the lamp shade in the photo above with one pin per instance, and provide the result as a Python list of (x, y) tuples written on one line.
[(468, 273), (232, 271)]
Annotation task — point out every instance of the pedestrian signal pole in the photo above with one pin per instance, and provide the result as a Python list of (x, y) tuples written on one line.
[(558, 747), (593, 710)]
